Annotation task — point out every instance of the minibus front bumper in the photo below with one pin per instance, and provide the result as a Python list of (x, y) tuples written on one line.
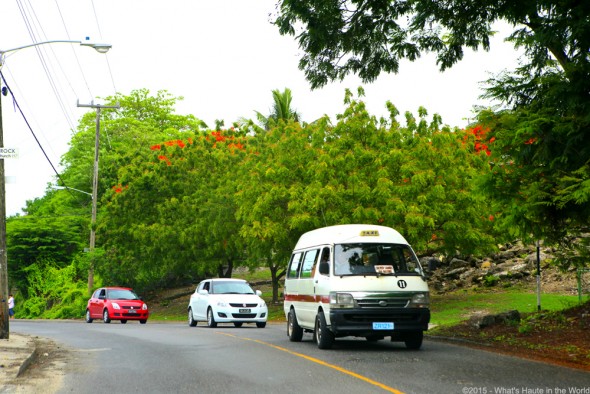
[(363, 322)]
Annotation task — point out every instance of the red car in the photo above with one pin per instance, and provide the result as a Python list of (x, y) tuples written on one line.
[(116, 303)]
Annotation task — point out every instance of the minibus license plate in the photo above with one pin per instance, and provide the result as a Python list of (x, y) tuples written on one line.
[(244, 310), (382, 326)]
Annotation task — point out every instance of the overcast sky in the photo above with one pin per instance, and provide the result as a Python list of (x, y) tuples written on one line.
[(223, 56)]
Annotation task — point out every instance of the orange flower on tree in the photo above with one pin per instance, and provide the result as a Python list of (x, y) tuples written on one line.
[(119, 188), (164, 158), (481, 141), (218, 136)]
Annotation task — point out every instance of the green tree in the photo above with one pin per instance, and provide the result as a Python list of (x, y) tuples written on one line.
[(281, 109), (142, 121), (172, 220), (41, 240), (276, 167), (541, 152), (541, 176), (367, 37), (419, 179)]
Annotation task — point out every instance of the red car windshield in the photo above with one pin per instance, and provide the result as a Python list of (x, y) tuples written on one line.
[(121, 294)]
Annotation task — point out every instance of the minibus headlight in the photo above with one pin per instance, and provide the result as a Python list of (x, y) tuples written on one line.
[(341, 300), (420, 300)]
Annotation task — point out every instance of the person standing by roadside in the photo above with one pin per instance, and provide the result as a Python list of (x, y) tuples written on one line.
[(11, 306)]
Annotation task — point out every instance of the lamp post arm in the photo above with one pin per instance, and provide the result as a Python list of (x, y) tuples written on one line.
[(38, 43), (101, 48)]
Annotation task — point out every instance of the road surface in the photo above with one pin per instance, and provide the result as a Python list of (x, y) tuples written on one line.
[(175, 358)]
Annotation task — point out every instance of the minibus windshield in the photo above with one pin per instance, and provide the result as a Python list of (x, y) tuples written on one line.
[(375, 259)]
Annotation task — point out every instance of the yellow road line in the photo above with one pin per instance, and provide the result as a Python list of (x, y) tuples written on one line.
[(317, 361)]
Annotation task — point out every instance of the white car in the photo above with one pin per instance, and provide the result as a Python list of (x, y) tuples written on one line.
[(226, 301)]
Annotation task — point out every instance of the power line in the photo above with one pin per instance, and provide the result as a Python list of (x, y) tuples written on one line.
[(100, 35), (42, 57), (29, 126), (73, 52)]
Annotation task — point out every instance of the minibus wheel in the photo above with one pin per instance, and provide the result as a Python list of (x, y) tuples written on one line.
[(413, 340), (323, 336), (294, 331)]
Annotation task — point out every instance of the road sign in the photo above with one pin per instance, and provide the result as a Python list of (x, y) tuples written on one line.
[(8, 153)]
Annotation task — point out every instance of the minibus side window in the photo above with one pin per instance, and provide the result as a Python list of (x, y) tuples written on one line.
[(309, 262), (293, 271)]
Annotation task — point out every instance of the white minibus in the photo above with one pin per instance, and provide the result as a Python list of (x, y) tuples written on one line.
[(356, 280)]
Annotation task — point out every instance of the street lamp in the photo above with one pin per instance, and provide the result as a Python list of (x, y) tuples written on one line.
[(4, 324)]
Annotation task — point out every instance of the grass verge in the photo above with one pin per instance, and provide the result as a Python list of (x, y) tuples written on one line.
[(453, 308)]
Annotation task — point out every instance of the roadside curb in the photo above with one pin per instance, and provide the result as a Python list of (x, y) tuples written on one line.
[(16, 355), (462, 341), (26, 362)]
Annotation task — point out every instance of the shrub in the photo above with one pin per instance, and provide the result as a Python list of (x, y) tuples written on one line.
[(54, 293)]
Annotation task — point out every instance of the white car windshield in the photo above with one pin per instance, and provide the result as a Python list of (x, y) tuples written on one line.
[(375, 259), (230, 287)]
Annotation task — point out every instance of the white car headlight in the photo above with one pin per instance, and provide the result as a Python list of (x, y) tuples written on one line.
[(144, 307), (419, 300), (115, 305), (341, 300), (221, 303)]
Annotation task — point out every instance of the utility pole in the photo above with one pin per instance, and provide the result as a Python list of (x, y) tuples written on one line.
[(538, 276), (4, 320), (94, 189)]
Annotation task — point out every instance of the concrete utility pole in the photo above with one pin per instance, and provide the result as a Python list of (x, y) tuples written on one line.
[(94, 189)]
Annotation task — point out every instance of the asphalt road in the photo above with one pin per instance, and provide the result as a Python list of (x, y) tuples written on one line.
[(176, 358)]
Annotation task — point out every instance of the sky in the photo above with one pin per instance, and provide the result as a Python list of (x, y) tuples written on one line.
[(224, 57)]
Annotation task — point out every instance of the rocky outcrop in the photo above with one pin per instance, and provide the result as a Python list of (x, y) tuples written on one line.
[(513, 263), (483, 320)]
